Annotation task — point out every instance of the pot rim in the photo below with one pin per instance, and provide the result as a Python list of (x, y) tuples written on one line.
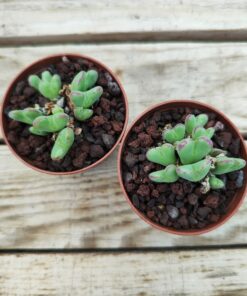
[(46, 60), (170, 230)]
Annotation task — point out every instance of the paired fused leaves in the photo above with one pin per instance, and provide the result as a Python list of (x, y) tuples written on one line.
[(55, 118), (194, 172), (224, 165), (83, 96), (168, 175), (175, 134), (52, 123), (88, 98), (191, 151), (188, 153), (84, 80), (202, 132), (164, 154), (48, 85), (26, 115), (192, 121)]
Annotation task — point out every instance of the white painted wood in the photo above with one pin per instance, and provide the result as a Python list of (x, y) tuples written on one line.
[(207, 273), (39, 211), (214, 73), (29, 18)]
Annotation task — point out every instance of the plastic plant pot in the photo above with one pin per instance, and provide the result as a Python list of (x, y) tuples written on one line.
[(239, 196), (39, 66)]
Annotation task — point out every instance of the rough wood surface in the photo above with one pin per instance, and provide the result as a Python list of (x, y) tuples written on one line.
[(61, 21), (186, 273), (208, 72), (39, 211)]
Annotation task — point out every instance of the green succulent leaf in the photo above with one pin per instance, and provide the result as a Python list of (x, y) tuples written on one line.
[(77, 80), (216, 183), (63, 143), (34, 81), (84, 80), (202, 132), (57, 109), (168, 175), (194, 172), (174, 134), (224, 165), (49, 86), (192, 121), (216, 152), (82, 114), (52, 123), (46, 76), (164, 154), (201, 119), (26, 115), (88, 98), (191, 151), (37, 132)]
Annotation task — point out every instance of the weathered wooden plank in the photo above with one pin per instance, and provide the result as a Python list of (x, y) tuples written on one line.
[(210, 72), (187, 273), (27, 20), (84, 211)]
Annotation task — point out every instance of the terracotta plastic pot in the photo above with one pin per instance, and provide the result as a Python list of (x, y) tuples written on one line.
[(38, 65), (240, 194)]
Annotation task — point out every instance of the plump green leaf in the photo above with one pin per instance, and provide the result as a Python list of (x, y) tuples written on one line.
[(84, 80), (37, 132), (49, 86), (82, 114), (193, 121), (191, 151), (52, 123), (88, 98), (56, 83), (194, 172), (34, 81), (224, 165), (216, 152), (57, 109), (168, 175), (190, 123), (164, 154), (46, 76), (174, 134), (216, 183), (63, 143), (77, 80), (26, 115), (202, 132), (201, 120)]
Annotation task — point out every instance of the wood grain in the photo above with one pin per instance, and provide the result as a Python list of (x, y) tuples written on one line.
[(208, 72), (187, 273), (30, 21), (39, 211)]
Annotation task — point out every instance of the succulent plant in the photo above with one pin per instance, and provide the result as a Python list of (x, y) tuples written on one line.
[(55, 117), (188, 153)]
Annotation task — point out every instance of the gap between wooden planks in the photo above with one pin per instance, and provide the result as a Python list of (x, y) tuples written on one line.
[(209, 72), (27, 21), (39, 211), (183, 273)]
